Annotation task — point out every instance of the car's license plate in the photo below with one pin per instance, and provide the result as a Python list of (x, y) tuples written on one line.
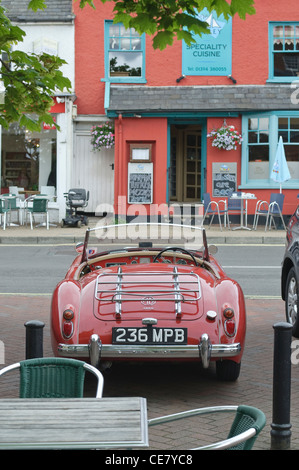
[(149, 335)]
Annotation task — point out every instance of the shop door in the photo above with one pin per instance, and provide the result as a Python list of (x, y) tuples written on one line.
[(192, 166), (93, 171)]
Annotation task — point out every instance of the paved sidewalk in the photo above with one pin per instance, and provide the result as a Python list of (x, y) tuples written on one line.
[(66, 235)]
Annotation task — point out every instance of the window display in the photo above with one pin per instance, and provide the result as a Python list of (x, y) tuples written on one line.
[(28, 159)]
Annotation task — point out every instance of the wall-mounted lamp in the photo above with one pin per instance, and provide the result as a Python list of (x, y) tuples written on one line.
[(232, 79), (181, 78)]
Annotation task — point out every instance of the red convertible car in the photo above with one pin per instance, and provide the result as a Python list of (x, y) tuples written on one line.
[(149, 303)]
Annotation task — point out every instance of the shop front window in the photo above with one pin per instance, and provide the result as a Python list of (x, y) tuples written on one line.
[(258, 148), (28, 159), (261, 134), (288, 128)]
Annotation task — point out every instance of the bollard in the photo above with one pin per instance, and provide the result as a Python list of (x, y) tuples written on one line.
[(281, 427), (34, 339)]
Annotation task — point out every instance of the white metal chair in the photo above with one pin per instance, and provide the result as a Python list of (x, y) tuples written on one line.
[(247, 424), (211, 208), (270, 210), (53, 377)]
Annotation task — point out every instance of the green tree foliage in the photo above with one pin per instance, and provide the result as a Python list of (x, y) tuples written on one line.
[(172, 18), (29, 80)]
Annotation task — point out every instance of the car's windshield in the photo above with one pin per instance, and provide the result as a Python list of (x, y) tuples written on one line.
[(102, 236)]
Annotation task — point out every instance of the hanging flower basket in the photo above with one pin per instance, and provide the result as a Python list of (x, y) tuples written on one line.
[(102, 136), (226, 138)]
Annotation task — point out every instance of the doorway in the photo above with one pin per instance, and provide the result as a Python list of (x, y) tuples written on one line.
[(186, 176)]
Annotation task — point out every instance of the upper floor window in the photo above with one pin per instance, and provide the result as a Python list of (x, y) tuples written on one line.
[(284, 51), (124, 55)]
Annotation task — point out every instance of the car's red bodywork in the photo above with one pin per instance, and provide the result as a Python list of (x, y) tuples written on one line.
[(128, 305)]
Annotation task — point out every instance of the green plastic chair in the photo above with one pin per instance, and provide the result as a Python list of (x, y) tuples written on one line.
[(3, 212), (11, 204), (247, 424), (54, 377), (39, 206)]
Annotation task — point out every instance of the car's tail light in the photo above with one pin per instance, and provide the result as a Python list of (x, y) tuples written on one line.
[(68, 326), (229, 322)]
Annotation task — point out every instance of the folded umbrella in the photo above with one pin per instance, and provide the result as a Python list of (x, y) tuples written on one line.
[(280, 171)]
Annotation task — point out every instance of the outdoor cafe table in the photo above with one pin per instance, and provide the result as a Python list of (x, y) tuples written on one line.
[(244, 197), (76, 423)]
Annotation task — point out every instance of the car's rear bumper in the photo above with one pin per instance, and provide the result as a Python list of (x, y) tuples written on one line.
[(95, 351)]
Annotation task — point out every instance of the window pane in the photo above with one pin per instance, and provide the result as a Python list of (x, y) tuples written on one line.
[(278, 31), (191, 140), (253, 124), (264, 124), (191, 154), (294, 123), (292, 156), (129, 63), (191, 179), (191, 193), (283, 123), (114, 30), (286, 64), (264, 137), (113, 43), (259, 153), (124, 31), (252, 137), (258, 165), (278, 37), (294, 136), (289, 31), (125, 44), (292, 153), (284, 135)]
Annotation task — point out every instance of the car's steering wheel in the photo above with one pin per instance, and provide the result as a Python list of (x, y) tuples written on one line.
[(170, 248)]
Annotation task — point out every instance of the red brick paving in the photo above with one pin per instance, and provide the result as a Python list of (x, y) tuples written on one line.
[(172, 387)]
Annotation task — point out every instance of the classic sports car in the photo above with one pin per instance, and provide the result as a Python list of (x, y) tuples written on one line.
[(290, 273), (149, 303)]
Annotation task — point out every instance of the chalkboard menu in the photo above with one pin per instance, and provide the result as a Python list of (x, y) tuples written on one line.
[(140, 183), (224, 179)]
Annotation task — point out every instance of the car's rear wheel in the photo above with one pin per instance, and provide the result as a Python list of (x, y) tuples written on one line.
[(227, 371), (291, 302)]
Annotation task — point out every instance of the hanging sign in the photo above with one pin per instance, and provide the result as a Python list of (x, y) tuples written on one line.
[(210, 54)]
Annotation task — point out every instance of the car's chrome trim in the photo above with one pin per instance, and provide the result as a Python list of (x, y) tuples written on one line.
[(96, 351), (173, 286)]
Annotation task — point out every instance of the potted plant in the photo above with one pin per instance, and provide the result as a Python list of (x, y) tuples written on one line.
[(226, 137), (102, 136)]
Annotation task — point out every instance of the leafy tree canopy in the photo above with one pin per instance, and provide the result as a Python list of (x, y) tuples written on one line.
[(172, 18), (29, 81)]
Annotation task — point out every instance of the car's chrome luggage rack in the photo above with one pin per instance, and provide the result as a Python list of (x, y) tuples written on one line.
[(181, 287)]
